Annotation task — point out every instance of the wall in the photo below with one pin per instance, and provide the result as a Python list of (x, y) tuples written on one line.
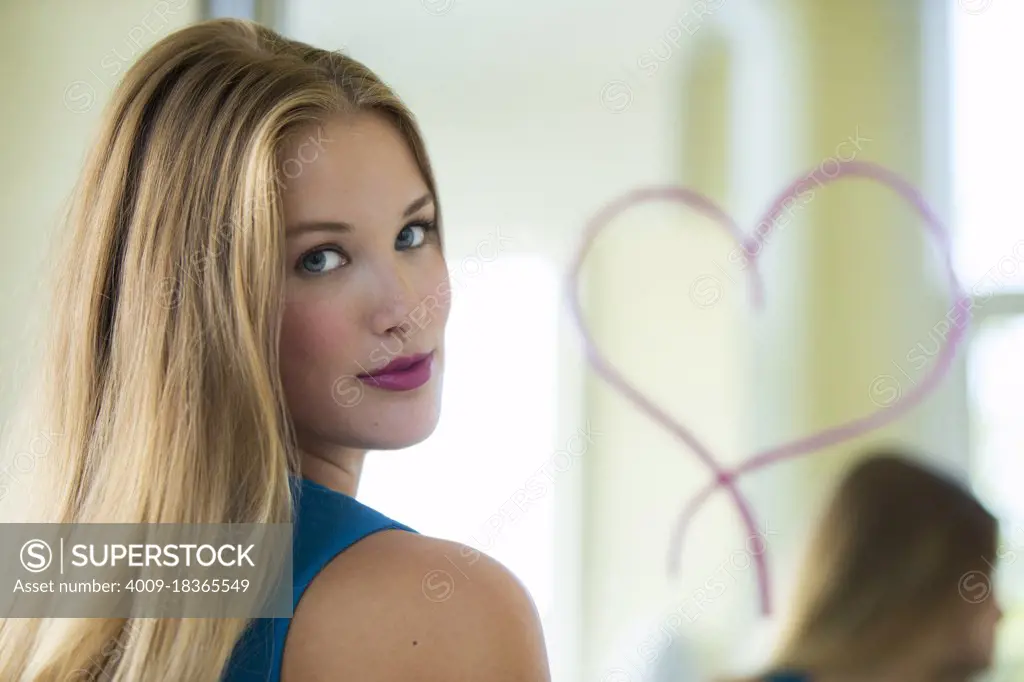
[(63, 61)]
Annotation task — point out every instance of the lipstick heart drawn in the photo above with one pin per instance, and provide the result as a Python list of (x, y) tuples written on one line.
[(753, 246)]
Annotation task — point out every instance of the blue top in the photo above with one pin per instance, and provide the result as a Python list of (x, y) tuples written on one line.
[(786, 676), (326, 523)]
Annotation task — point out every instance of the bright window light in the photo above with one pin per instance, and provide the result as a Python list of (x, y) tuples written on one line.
[(988, 105)]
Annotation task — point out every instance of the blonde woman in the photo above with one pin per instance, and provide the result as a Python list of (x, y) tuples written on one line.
[(252, 294), (896, 584)]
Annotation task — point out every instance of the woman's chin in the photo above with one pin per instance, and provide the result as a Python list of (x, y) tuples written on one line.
[(399, 436)]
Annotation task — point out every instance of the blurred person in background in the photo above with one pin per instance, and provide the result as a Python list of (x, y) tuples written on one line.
[(250, 294), (896, 584)]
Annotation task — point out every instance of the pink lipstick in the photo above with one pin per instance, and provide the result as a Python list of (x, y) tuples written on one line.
[(401, 374)]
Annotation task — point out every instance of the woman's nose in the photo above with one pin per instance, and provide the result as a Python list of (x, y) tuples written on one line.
[(394, 303)]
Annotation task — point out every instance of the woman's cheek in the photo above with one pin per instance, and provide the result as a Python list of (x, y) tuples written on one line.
[(430, 306), (443, 287), (316, 338)]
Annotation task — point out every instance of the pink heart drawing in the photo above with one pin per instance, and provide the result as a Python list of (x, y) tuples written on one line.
[(753, 244)]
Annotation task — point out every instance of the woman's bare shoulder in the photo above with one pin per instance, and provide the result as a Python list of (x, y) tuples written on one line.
[(401, 606)]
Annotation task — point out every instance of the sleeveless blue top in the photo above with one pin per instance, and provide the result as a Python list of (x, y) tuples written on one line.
[(786, 676), (326, 523)]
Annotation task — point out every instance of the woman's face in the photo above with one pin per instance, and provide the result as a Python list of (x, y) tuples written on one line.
[(981, 637), (969, 651), (366, 285)]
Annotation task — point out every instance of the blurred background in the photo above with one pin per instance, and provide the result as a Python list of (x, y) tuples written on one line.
[(537, 114)]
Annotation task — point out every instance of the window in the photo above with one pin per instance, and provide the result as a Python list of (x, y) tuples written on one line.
[(989, 243), (997, 384), (988, 112), (497, 428)]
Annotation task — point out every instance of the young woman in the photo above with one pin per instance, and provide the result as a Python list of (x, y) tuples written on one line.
[(896, 585), (252, 294)]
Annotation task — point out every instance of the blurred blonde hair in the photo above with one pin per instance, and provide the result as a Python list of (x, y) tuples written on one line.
[(885, 568), (159, 369)]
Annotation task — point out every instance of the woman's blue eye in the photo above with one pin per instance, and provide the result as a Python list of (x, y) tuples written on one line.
[(320, 261), (411, 236)]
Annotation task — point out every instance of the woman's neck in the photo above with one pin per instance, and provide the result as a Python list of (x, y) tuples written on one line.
[(339, 470)]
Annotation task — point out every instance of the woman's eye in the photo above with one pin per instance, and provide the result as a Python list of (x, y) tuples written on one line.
[(410, 237), (322, 260)]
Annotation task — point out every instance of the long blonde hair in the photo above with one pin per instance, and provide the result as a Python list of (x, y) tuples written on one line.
[(160, 363), (886, 566)]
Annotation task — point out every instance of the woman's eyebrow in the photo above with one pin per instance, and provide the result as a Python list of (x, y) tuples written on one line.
[(317, 226), (336, 226), (418, 204)]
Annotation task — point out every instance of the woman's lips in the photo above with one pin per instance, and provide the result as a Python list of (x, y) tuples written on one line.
[(402, 374)]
